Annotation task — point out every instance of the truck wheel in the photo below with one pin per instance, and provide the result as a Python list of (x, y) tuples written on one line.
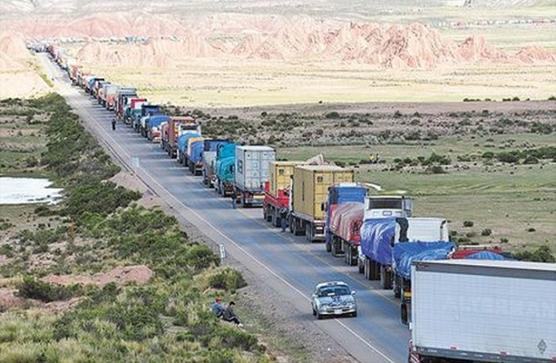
[(328, 246), (404, 314), (347, 254), (309, 232), (385, 279), (360, 266), (367, 269)]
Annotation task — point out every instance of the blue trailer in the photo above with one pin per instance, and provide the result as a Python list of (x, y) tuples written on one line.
[(225, 169)]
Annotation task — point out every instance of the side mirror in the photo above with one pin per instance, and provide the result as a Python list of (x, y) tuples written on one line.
[(314, 296), (353, 292)]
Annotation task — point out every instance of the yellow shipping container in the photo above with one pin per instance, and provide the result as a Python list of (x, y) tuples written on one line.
[(191, 141), (280, 173), (310, 187)]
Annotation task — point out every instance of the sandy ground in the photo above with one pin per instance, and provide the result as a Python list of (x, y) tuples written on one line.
[(22, 84)]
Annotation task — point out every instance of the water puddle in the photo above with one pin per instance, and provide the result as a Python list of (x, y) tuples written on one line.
[(28, 191)]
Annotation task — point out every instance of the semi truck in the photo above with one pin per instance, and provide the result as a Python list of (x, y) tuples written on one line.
[(194, 159), (182, 143), (309, 192), (178, 125), (344, 210), (147, 110), (110, 99), (122, 97), (277, 190), (251, 171), (133, 109), (379, 236), (224, 169), (483, 311), (210, 149)]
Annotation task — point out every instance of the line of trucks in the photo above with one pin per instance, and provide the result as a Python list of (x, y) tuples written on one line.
[(462, 304)]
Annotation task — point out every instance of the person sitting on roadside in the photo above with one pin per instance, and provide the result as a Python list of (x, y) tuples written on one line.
[(229, 314), (217, 307)]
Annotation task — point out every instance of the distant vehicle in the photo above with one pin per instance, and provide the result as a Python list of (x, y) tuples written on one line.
[(333, 298)]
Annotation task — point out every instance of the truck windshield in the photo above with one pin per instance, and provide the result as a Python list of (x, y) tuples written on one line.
[(385, 203), (333, 291)]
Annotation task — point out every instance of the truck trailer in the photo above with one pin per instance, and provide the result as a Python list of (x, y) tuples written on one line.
[(194, 156), (177, 126), (483, 311), (380, 235), (251, 171), (309, 192)]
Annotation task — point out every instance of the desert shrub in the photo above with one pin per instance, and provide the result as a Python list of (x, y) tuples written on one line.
[(397, 114), (486, 232), (468, 223), (435, 169), (541, 254), (552, 98), (30, 288), (507, 157), (331, 115), (531, 229), (530, 160), (98, 197), (227, 279), (234, 338)]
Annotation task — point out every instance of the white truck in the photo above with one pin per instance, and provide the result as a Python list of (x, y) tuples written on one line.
[(483, 311), (252, 165)]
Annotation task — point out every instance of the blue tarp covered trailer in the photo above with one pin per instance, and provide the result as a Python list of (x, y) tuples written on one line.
[(403, 254), (377, 238), (182, 144)]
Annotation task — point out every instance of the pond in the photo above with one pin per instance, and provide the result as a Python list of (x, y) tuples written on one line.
[(28, 191)]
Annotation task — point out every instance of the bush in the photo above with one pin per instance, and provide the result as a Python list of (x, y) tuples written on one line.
[(30, 288), (541, 254), (530, 160), (227, 279), (486, 232), (435, 169), (332, 115), (468, 223)]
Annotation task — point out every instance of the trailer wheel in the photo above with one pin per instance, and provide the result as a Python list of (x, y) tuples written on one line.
[(367, 269), (347, 254), (360, 266), (328, 246), (309, 232), (385, 278), (336, 249)]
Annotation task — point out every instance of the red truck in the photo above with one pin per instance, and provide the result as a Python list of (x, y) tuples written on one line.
[(277, 190), (176, 126)]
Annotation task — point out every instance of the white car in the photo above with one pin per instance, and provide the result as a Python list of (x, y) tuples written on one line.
[(333, 298)]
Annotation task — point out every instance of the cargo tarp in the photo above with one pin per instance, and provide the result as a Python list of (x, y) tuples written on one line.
[(485, 255), (405, 253), (184, 138), (346, 220), (377, 236), (155, 121), (338, 195), (196, 153)]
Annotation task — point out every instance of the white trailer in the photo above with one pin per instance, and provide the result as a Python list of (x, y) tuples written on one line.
[(251, 172), (483, 311)]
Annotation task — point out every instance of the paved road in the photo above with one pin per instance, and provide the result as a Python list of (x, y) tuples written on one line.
[(288, 264)]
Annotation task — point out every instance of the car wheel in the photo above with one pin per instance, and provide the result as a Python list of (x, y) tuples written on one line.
[(314, 312), (354, 315), (319, 317)]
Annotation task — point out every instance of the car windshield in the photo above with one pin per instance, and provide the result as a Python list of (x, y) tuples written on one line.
[(333, 291)]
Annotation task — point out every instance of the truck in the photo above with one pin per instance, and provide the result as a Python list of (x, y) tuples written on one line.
[(277, 190), (404, 254), (133, 109), (182, 143), (308, 194), (194, 157), (177, 125), (483, 311), (224, 169), (97, 87), (251, 172), (110, 98), (380, 235), (210, 148), (152, 126), (147, 110), (101, 92), (344, 209), (91, 81), (122, 97)]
